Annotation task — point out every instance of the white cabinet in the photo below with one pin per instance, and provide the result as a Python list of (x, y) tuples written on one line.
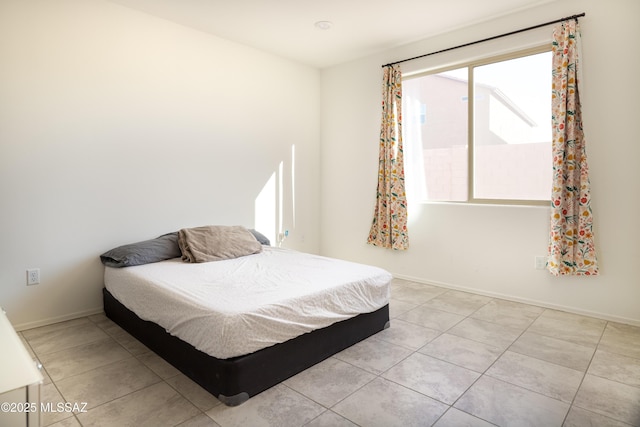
[(20, 380)]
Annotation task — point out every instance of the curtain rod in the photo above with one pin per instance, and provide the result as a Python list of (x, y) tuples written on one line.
[(489, 38)]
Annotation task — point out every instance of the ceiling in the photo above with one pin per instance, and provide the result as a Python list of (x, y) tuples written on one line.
[(360, 27)]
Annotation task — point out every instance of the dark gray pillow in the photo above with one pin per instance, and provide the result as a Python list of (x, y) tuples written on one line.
[(148, 251), (260, 237)]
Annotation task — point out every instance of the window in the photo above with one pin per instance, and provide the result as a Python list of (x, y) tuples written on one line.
[(496, 149)]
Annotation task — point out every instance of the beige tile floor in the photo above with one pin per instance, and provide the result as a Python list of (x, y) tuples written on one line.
[(449, 359)]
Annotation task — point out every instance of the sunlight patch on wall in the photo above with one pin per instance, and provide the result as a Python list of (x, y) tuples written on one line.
[(265, 209), (275, 205)]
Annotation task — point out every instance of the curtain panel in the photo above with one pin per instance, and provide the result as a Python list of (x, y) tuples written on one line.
[(571, 243), (389, 227)]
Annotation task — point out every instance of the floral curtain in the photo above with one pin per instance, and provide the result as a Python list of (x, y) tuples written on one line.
[(389, 227), (571, 244)]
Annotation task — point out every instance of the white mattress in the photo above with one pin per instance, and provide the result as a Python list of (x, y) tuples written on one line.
[(235, 307)]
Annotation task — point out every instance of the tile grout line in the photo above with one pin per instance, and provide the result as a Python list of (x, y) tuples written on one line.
[(131, 356), (585, 373), (482, 374)]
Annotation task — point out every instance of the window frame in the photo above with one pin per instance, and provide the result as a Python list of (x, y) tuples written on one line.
[(470, 65)]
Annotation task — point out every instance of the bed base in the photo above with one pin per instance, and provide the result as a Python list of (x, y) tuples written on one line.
[(233, 381)]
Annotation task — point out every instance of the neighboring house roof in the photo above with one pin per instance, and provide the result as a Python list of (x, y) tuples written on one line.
[(500, 96)]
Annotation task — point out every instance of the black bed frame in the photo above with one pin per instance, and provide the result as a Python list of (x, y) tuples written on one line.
[(235, 380)]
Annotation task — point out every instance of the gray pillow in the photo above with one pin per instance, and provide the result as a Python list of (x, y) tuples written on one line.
[(260, 237), (148, 251)]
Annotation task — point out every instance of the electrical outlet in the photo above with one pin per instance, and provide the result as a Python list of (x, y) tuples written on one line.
[(33, 276), (541, 262)]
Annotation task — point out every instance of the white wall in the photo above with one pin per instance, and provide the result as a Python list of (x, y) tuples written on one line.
[(491, 249), (116, 127)]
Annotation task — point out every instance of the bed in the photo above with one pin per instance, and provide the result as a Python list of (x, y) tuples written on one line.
[(241, 325)]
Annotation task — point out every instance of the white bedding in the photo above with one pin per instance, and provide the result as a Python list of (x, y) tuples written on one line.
[(235, 307)]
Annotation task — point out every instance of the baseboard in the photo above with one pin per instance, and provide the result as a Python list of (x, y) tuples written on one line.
[(57, 319), (568, 309)]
